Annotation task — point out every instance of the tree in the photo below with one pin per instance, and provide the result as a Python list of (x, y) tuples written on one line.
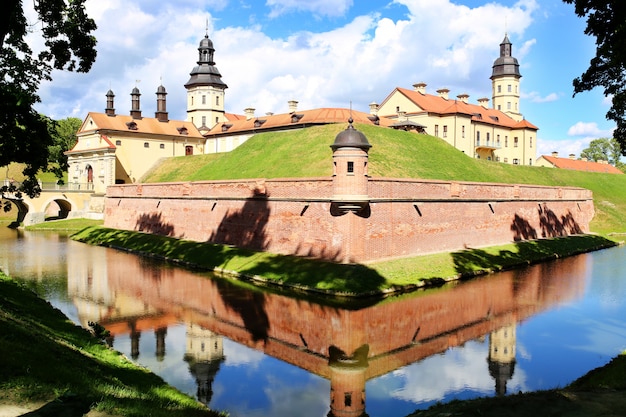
[(606, 21), (25, 135), (602, 149), (64, 138)]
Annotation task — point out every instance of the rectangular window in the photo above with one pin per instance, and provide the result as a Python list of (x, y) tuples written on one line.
[(477, 138), (162, 146), (508, 87), (445, 131), (499, 88), (203, 99), (350, 167), (217, 100), (515, 161), (531, 142), (118, 143), (203, 120), (146, 145), (436, 130), (515, 142), (488, 138), (506, 141), (497, 140), (463, 131)]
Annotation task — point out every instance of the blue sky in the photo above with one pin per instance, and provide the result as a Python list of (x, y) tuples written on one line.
[(330, 53)]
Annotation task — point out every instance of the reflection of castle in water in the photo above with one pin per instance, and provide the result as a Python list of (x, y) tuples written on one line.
[(346, 346)]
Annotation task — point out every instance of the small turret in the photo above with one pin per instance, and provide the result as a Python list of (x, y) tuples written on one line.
[(350, 176)]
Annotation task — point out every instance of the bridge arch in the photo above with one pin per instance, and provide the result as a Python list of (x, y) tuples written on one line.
[(64, 204)]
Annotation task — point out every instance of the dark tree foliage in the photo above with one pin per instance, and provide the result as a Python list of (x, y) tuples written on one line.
[(25, 135), (606, 21)]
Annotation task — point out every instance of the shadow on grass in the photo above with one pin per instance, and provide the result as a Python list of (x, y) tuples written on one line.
[(470, 262)]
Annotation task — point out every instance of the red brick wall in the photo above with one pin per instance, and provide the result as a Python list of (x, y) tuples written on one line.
[(296, 216)]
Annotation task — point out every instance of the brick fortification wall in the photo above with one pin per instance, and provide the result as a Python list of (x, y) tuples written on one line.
[(297, 216)]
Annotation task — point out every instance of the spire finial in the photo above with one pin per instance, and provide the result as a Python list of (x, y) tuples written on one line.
[(206, 29)]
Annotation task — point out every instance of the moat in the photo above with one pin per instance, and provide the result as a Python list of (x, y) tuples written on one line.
[(250, 352)]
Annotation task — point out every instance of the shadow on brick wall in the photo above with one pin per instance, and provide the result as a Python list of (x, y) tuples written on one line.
[(153, 223), (245, 228), (553, 226)]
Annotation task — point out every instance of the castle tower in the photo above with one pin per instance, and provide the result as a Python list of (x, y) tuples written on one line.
[(110, 109), (205, 89), (204, 354), (505, 80), (501, 359), (350, 177)]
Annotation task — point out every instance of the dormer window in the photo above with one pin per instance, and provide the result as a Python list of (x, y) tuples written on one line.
[(259, 122), (226, 126), (131, 125), (182, 131), (295, 118)]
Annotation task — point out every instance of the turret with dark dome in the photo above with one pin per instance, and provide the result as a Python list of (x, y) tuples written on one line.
[(205, 73), (205, 89), (505, 64), (505, 82)]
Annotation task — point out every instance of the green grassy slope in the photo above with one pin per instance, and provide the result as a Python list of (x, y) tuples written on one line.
[(399, 154)]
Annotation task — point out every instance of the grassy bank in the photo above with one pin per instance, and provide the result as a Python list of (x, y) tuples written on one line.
[(375, 278), (47, 361)]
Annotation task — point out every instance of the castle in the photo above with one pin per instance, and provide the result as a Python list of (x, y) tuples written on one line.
[(120, 149)]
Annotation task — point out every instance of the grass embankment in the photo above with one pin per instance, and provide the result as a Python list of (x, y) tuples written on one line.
[(375, 278), (46, 360), (394, 154)]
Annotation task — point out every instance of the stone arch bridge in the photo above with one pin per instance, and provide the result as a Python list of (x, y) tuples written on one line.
[(58, 202)]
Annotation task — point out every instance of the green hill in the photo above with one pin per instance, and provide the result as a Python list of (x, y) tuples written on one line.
[(395, 154)]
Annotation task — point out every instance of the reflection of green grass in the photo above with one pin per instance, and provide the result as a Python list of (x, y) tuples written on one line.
[(43, 356), (71, 225), (332, 277)]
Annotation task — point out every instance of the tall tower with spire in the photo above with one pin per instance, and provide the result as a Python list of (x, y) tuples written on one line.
[(205, 89), (505, 80)]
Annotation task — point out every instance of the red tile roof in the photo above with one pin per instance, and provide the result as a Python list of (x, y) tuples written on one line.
[(580, 165), (297, 119), (439, 105), (145, 125)]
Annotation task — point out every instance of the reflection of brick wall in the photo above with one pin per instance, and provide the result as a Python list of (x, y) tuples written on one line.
[(404, 218)]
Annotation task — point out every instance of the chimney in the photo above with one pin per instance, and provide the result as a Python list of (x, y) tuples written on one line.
[(463, 97), (135, 111), (293, 106), (373, 107), (249, 111), (443, 93), (110, 109), (572, 156), (420, 88), (555, 154), (161, 113), (483, 102)]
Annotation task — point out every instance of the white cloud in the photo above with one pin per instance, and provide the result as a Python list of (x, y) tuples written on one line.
[(589, 129), (441, 43), (535, 97)]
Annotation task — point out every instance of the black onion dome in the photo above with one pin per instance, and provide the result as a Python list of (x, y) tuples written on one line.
[(505, 64), (205, 73), (350, 138)]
